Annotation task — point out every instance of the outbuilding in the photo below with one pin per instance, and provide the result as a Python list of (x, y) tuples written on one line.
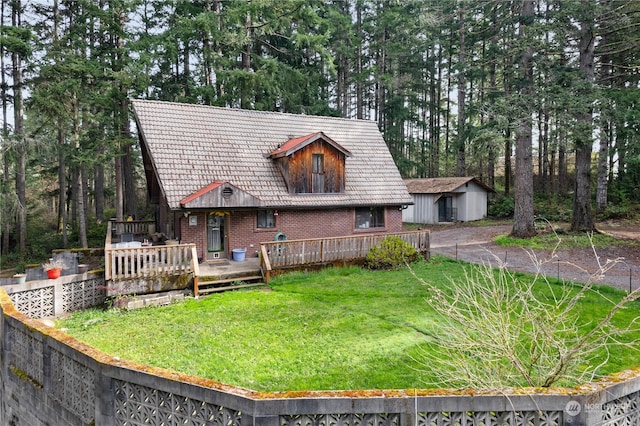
[(448, 199)]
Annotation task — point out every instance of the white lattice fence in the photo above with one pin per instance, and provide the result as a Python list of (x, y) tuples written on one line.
[(50, 298), (81, 295), (37, 303)]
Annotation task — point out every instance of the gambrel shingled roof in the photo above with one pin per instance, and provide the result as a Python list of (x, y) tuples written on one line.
[(192, 146)]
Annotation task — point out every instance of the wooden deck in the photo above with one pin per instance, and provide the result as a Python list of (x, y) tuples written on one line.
[(127, 258), (133, 261), (296, 253)]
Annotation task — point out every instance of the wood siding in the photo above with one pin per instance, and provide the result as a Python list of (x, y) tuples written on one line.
[(297, 169), (223, 197)]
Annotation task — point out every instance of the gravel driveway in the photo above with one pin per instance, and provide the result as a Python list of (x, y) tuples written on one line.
[(474, 244)]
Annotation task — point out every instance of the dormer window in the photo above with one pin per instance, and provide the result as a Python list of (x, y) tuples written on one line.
[(317, 174), (312, 164)]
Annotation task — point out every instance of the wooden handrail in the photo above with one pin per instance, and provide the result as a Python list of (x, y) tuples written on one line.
[(265, 265), (133, 227)]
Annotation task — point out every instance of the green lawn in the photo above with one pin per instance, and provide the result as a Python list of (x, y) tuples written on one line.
[(342, 328)]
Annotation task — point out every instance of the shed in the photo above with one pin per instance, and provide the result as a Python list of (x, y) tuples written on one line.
[(448, 199)]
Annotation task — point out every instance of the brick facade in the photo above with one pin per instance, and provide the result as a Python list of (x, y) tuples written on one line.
[(241, 230)]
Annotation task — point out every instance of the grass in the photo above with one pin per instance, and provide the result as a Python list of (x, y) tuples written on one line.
[(340, 328), (549, 240)]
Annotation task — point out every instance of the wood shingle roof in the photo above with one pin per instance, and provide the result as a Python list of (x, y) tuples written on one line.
[(192, 146), (440, 185)]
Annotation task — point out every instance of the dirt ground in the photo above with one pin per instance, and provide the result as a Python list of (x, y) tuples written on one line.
[(474, 244)]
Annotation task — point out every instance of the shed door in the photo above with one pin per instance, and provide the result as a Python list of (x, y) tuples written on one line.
[(445, 209), (215, 233)]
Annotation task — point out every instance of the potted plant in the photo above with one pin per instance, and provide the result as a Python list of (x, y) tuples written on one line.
[(20, 278), (53, 268)]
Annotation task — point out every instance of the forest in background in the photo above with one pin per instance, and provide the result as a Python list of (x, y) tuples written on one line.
[(536, 98)]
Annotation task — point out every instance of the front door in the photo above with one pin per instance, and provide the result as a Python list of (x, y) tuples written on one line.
[(215, 237)]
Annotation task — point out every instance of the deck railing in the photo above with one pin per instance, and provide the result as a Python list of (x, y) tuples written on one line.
[(286, 254), (142, 262), (131, 260), (136, 227)]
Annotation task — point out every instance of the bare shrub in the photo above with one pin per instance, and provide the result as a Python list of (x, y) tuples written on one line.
[(499, 330)]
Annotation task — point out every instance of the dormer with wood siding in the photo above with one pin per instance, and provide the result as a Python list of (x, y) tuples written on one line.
[(312, 164)]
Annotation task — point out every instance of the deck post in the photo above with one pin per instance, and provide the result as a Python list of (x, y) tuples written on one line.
[(265, 264), (196, 269)]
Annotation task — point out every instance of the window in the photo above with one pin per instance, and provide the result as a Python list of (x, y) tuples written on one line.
[(318, 173), (318, 163), (369, 217), (266, 219)]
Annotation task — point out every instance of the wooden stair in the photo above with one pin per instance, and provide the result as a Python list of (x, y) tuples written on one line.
[(218, 285)]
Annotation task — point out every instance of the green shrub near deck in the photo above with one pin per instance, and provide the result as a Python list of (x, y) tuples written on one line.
[(392, 252)]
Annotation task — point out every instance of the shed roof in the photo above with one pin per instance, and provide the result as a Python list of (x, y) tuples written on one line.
[(440, 185), (191, 146)]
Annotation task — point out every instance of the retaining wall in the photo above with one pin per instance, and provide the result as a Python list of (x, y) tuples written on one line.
[(49, 378)]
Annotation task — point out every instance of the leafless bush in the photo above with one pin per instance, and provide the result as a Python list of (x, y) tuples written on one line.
[(498, 330)]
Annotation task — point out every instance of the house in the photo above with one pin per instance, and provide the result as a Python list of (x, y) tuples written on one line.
[(226, 179), (448, 199)]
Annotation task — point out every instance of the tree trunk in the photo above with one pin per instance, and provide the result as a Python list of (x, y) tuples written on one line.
[(62, 185), (603, 169), (582, 216), (98, 189), (246, 63), (523, 225), (462, 85), (562, 165), (131, 202), (6, 207), (118, 184), (381, 64), (545, 152), (18, 117), (447, 112), (602, 180), (82, 216), (508, 145), (359, 53)]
